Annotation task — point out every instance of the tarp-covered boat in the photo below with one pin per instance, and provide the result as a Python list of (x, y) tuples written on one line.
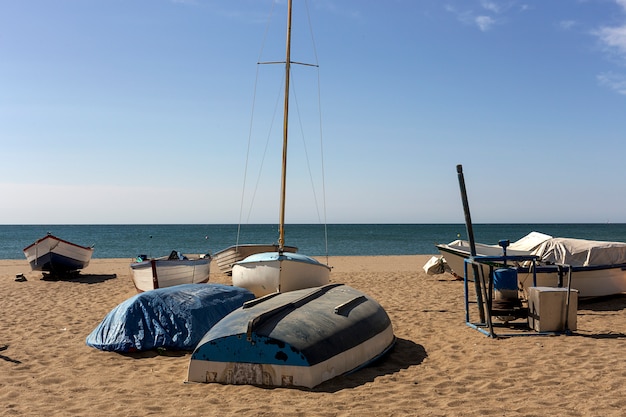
[(57, 256), (173, 318), (298, 338)]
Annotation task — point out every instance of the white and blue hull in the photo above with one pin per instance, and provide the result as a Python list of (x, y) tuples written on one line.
[(298, 338), (57, 256), (270, 272)]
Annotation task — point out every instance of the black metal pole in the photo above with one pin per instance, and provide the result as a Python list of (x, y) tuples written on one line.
[(470, 237)]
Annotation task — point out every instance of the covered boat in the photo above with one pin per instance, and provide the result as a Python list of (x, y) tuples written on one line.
[(167, 271), (598, 267), (457, 251), (297, 338), (172, 318), (57, 256)]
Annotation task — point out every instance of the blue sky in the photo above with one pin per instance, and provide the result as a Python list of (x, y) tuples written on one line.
[(139, 111)]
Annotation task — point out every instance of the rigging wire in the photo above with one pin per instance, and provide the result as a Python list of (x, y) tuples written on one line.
[(245, 174), (315, 64)]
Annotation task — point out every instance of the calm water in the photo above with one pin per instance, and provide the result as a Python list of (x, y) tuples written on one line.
[(128, 241)]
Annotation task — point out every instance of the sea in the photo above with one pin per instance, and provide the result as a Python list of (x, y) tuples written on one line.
[(129, 241)]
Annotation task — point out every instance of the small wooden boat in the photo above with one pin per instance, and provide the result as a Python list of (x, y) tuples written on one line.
[(297, 338), (57, 256), (175, 269), (226, 258)]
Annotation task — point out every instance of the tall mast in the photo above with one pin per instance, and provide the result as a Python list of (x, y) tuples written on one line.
[(283, 186)]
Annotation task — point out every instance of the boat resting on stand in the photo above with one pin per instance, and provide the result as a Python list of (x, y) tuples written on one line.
[(598, 267), (226, 258), (57, 256), (298, 338), (175, 269)]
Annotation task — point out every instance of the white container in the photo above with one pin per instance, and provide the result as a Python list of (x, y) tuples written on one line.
[(546, 309)]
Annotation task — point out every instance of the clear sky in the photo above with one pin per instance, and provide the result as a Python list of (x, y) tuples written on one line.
[(139, 111)]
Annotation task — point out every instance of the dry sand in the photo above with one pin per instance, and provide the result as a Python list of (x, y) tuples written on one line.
[(439, 367)]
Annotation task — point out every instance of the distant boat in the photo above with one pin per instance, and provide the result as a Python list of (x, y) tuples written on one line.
[(278, 270), (297, 338), (57, 256), (167, 271), (226, 258)]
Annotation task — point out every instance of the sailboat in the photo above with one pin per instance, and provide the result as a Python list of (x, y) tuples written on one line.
[(280, 271)]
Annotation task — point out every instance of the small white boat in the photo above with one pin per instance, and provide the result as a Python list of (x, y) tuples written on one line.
[(298, 338), (457, 251), (175, 269), (57, 256), (279, 270), (269, 272), (226, 258), (598, 267)]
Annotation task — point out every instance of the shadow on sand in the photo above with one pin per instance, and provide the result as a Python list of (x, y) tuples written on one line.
[(404, 354), (78, 277)]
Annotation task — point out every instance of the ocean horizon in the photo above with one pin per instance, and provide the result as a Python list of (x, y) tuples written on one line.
[(130, 240)]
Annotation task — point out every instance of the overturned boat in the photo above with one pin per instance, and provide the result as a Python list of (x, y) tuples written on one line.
[(57, 256), (297, 338)]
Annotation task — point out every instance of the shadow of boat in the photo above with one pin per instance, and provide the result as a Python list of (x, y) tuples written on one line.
[(608, 303), (78, 277), (404, 354)]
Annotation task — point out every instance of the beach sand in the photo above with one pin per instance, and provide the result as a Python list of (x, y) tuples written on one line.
[(439, 366)]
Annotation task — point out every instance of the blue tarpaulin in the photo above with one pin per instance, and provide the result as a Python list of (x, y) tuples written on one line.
[(173, 318)]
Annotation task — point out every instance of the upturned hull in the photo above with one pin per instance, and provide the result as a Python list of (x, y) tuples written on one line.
[(161, 273), (298, 338), (271, 272), (55, 255), (226, 258)]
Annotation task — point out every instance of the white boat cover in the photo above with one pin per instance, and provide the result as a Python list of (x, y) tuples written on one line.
[(581, 252), (530, 242), (436, 265)]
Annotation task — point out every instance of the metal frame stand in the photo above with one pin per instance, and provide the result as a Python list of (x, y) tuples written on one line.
[(484, 297)]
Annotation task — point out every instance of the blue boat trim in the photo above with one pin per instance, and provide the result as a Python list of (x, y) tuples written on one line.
[(53, 262), (254, 334), (278, 256)]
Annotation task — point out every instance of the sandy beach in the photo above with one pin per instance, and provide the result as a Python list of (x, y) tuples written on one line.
[(439, 366)]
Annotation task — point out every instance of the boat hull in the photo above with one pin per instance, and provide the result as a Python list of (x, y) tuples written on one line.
[(298, 338), (226, 258), (55, 255), (590, 281), (271, 272), (162, 273)]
